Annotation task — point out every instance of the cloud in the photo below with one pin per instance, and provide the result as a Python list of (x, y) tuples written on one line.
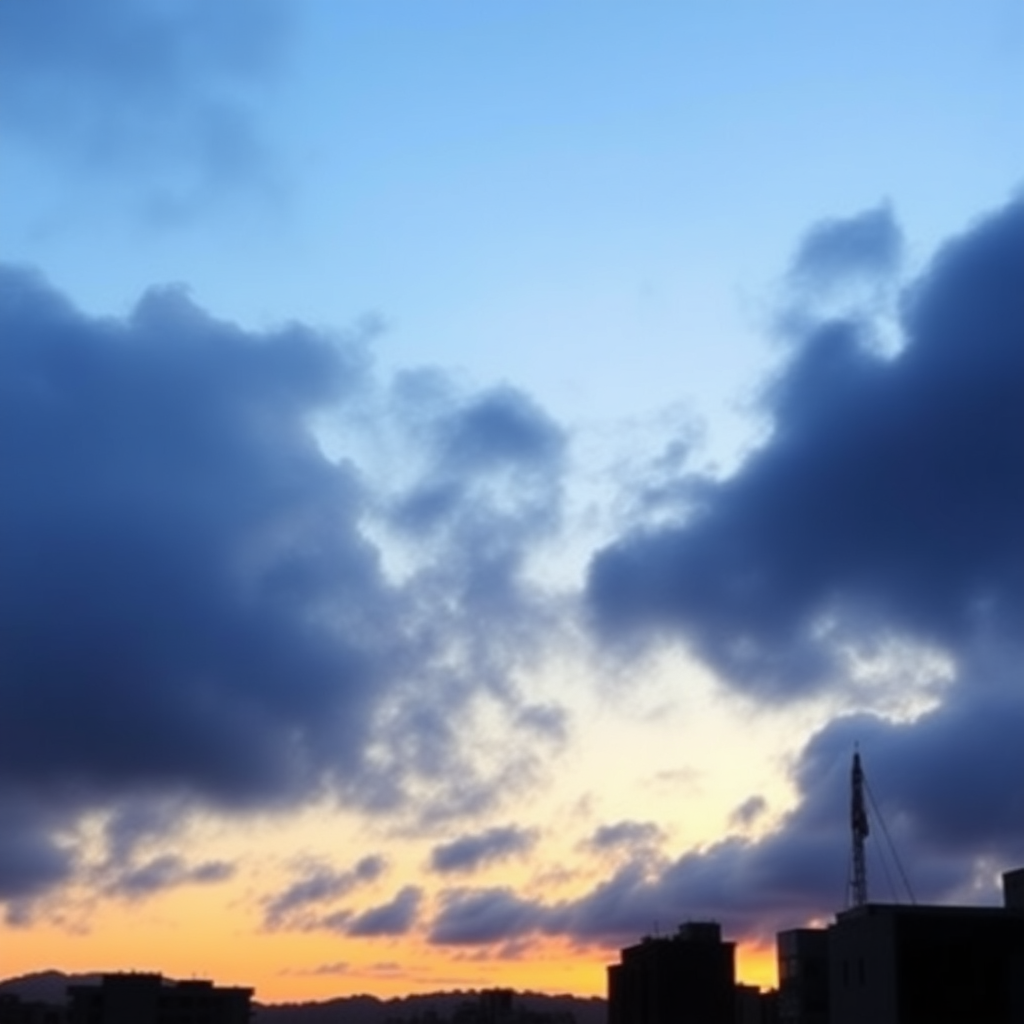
[(500, 428), (942, 793), (469, 853), (195, 611), (866, 245), (749, 811), (337, 967), (484, 916), (394, 918), (182, 569), (168, 871), (548, 721), (943, 779), (883, 513), (887, 501), (630, 835), (319, 884), (495, 459), (163, 92), (33, 857), (466, 519), (134, 824), (940, 785)]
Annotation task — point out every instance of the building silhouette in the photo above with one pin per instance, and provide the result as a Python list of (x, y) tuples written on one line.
[(803, 976), (686, 978), (886, 963), (904, 964), (1013, 889), (15, 1010), (153, 999), (754, 1006)]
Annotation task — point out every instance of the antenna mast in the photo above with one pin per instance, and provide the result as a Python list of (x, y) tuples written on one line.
[(859, 829)]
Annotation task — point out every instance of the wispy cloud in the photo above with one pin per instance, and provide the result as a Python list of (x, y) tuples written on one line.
[(159, 97), (319, 884), (469, 853)]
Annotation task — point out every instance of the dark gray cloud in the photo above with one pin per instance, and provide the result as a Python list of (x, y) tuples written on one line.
[(498, 429), (33, 856), (484, 917), (886, 506), (629, 835), (945, 781), (866, 245), (888, 499), (497, 456), (136, 862), (163, 92), (185, 587), (393, 918), (167, 871), (134, 823), (470, 516), (191, 608), (319, 884), (749, 811), (469, 853)]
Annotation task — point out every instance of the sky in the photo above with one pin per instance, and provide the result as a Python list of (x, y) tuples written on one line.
[(470, 474)]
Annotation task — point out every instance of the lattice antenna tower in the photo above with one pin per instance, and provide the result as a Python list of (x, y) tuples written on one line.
[(859, 832)]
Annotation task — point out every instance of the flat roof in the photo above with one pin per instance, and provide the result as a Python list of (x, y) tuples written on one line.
[(926, 910)]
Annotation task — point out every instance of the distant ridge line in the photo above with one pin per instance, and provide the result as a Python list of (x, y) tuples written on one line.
[(50, 986)]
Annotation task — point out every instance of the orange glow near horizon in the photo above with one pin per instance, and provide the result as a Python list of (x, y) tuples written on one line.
[(307, 967), (756, 965), (219, 932)]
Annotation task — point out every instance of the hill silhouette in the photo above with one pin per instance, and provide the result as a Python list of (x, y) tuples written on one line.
[(50, 987), (46, 986), (365, 1009)]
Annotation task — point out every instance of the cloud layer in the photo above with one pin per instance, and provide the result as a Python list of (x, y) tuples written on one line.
[(239, 572), (888, 498), (191, 606), (883, 514)]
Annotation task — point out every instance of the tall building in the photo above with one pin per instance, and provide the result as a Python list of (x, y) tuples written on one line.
[(912, 964), (686, 978), (152, 999), (803, 976)]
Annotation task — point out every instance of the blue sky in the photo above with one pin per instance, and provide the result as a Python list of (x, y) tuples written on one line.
[(512, 383), (516, 189)]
